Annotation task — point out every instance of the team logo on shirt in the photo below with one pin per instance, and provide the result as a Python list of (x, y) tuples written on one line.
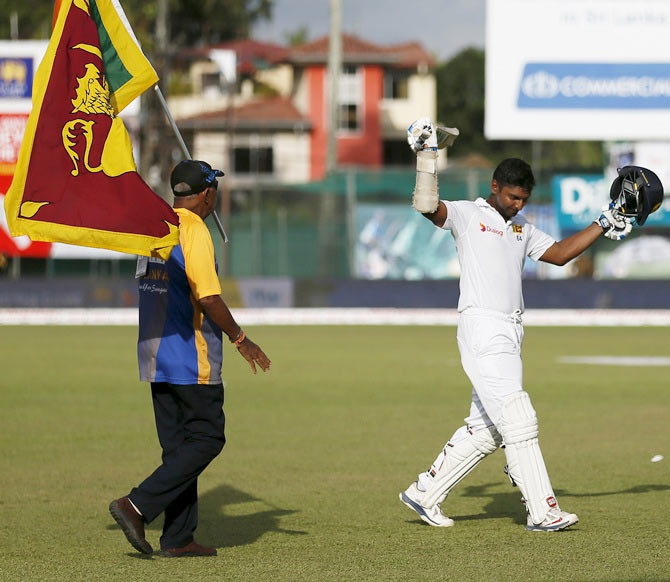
[(485, 228), (517, 228)]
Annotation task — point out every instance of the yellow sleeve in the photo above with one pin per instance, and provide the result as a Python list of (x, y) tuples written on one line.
[(199, 261)]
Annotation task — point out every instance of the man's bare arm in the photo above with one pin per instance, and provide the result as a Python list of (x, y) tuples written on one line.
[(567, 249), (217, 310), (439, 217)]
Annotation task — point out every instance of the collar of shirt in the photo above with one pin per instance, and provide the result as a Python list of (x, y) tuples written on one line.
[(188, 213), (482, 203)]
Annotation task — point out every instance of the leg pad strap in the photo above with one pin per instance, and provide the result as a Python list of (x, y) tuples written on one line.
[(458, 458)]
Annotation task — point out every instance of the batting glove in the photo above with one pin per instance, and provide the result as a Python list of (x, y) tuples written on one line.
[(421, 135), (615, 226)]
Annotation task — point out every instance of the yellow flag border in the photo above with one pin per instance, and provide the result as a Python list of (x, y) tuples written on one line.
[(50, 232), (14, 195), (127, 242), (129, 53)]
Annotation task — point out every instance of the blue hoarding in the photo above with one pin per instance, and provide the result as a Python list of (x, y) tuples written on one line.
[(595, 86), (16, 77), (579, 199)]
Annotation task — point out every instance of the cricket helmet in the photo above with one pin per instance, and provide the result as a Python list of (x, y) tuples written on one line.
[(637, 191)]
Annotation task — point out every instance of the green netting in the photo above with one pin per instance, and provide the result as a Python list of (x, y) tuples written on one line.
[(454, 184)]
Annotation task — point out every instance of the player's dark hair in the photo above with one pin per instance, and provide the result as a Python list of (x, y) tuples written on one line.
[(514, 172)]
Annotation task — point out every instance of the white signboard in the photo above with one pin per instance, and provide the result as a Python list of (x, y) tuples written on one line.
[(578, 69)]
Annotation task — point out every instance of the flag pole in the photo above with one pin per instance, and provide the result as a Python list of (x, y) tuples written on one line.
[(185, 151)]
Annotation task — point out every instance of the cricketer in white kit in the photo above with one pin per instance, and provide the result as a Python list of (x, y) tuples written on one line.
[(493, 241)]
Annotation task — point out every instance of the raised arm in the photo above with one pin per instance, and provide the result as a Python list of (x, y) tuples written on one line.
[(609, 223), (425, 139), (439, 217), (567, 249)]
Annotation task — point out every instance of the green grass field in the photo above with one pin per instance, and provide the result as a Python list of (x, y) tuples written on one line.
[(318, 449)]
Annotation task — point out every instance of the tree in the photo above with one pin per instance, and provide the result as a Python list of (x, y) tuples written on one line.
[(297, 37), (192, 22), (460, 103), (33, 18), (460, 98)]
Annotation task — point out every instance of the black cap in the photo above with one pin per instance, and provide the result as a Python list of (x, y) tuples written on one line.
[(192, 177), (645, 184)]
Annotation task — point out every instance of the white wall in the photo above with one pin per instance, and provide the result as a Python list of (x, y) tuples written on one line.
[(290, 154), (398, 114), (279, 78)]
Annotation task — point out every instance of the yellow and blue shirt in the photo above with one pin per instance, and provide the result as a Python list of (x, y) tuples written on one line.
[(178, 343)]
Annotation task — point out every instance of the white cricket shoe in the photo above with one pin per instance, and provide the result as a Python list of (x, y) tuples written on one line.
[(411, 497), (556, 520)]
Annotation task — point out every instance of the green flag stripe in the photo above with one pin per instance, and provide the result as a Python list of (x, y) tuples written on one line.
[(115, 72)]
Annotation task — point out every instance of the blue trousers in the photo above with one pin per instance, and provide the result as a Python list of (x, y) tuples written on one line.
[(190, 425)]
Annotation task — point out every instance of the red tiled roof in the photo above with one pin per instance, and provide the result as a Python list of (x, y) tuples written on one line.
[(411, 54), (350, 45), (275, 112), (354, 49), (251, 54)]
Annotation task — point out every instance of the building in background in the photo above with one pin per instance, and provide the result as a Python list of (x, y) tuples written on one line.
[(270, 117)]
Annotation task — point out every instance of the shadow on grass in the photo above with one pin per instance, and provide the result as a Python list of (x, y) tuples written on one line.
[(139, 556), (508, 504), (635, 490), (505, 504), (217, 529)]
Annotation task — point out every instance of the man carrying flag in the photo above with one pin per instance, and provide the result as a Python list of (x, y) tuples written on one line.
[(76, 180), (182, 317)]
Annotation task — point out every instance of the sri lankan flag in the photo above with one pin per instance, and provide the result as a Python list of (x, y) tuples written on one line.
[(75, 180)]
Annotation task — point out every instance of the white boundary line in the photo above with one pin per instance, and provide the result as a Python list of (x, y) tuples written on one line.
[(346, 316)]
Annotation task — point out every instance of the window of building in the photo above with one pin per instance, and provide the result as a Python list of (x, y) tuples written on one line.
[(348, 117), (350, 98), (248, 160), (211, 83), (396, 153), (396, 85)]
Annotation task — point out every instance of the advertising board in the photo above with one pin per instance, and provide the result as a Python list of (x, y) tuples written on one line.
[(578, 70)]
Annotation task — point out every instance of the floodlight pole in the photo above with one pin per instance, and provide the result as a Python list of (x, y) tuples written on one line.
[(185, 151), (328, 205), (334, 69)]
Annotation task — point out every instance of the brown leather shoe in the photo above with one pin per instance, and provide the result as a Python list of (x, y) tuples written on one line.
[(189, 550), (131, 523)]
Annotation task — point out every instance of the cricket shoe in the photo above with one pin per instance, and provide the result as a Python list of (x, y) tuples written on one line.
[(555, 520), (411, 497)]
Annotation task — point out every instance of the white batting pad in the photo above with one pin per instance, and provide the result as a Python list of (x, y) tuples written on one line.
[(425, 197), (518, 425), (458, 458)]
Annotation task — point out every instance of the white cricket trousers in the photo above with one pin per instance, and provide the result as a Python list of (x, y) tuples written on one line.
[(490, 346)]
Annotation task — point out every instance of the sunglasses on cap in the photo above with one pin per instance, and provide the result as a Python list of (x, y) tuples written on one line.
[(210, 176)]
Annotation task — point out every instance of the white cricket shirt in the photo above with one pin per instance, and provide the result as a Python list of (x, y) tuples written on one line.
[(492, 252)]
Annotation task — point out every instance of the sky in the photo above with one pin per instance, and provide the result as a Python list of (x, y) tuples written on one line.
[(444, 27)]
